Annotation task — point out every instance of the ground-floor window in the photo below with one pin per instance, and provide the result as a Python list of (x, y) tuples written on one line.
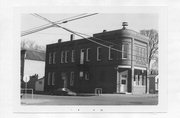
[(53, 78), (86, 76), (139, 78), (72, 79), (49, 78)]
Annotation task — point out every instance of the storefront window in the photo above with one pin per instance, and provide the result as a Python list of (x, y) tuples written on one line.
[(144, 80), (140, 80)]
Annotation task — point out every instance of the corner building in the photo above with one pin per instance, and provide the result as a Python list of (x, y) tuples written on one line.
[(115, 63)]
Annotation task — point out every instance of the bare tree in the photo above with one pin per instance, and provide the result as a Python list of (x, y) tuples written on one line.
[(28, 44), (153, 44)]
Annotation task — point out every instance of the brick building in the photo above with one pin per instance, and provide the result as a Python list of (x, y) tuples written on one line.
[(111, 61)]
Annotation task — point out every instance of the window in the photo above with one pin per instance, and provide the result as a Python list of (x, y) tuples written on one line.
[(137, 53), (99, 49), (123, 82), (82, 53), (136, 80), (62, 56), (54, 57), (144, 54), (140, 80), (86, 76), (144, 80), (66, 56), (73, 56), (53, 78), (110, 53), (124, 51), (142, 50), (72, 79), (141, 54), (87, 54), (50, 58), (81, 74), (49, 78)]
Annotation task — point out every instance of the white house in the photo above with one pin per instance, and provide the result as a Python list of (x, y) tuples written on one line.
[(32, 63)]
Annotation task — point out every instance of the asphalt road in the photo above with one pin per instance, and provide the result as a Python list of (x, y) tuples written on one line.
[(104, 99)]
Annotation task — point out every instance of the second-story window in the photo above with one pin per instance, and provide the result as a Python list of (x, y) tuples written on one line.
[(50, 58), (137, 53), (110, 53), (82, 55), (62, 56), (124, 51), (66, 56), (73, 56), (87, 54), (54, 57), (143, 54), (99, 51)]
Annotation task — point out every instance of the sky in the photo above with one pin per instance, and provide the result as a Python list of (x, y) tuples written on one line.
[(89, 25)]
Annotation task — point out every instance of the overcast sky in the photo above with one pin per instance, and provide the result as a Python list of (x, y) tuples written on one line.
[(88, 25)]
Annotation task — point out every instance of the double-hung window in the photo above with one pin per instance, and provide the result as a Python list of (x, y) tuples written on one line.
[(125, 51), (87, 54), (62, 56), (54, 57), (110, 53), (73, 56), (82, 56), (50, 58), (66, 56), (99, 51)]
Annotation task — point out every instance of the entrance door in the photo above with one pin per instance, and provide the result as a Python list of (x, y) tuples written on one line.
[(64, 78), (122, 82)]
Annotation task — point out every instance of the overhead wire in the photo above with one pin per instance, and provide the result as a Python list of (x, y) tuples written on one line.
[(48, 26)]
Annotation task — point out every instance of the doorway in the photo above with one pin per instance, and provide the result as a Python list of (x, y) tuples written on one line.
[(122, 81), (65, 80)]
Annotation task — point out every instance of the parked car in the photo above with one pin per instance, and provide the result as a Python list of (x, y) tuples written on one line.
[(64, 92)]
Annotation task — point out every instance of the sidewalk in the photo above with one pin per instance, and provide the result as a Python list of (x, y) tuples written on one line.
[(91, 99)]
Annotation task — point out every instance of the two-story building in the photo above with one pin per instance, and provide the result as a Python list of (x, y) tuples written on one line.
[(111, 61)]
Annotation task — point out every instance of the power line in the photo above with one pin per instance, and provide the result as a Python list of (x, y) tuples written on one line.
[(48, 26), (55, 21), (76, 33)]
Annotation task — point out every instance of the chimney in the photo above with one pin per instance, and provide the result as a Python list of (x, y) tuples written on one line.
[(59, 41), (124, 24), (72, 37)]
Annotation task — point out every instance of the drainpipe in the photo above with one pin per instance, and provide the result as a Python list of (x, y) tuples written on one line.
[(132, 66)]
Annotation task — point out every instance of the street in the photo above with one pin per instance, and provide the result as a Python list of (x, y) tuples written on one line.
[(104, 99)]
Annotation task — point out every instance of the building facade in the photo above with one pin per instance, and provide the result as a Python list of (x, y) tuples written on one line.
[(110, 62)]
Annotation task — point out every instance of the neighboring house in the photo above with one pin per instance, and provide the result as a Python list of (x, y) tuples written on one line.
[(85, 66), (39, 85), (32, 65)]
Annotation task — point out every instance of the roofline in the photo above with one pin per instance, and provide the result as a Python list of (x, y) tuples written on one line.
[(26, 49)]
